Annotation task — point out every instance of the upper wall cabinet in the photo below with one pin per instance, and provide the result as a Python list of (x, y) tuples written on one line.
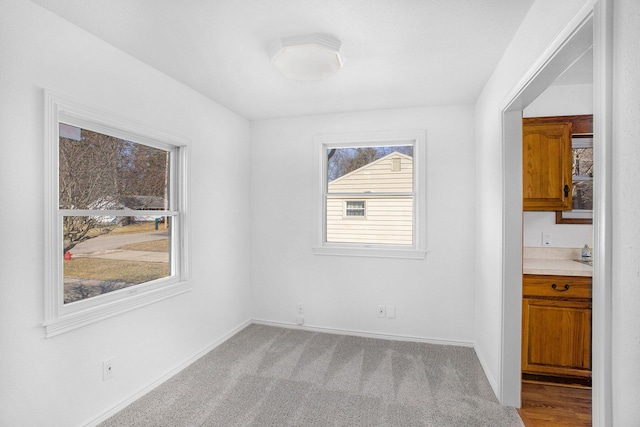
[(546, 165), (557, 166)]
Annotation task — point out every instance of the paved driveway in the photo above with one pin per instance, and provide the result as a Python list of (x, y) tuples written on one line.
[(109, 246)]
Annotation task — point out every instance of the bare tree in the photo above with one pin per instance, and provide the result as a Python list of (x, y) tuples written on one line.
[(341, 161), (144, 174), (88, 179), (110, 286), (100, 172), (78, 292), (84, 290), (583, 167)]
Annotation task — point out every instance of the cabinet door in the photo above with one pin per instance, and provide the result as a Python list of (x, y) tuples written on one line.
[(556, 337), (546, 166)]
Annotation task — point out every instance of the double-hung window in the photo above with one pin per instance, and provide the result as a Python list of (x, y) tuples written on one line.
[(355, 208), (115, 215), (370, 194)]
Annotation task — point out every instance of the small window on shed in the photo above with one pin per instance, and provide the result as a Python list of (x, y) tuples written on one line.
[(355, 208)]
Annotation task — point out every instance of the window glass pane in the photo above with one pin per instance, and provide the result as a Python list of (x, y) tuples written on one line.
[(99, 171), (389, 220), (583, 195), (114, 253), (583, 178), (369, 169), (369, 173), (583, 161)]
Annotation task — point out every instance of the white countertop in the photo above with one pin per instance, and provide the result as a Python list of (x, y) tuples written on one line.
[(556, 267), (554, 262)]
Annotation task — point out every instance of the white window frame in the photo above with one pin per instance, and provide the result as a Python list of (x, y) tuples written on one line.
[(58, 317), (417, 139)]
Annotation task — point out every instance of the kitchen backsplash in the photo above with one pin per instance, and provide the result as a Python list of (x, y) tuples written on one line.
[(551, 253)]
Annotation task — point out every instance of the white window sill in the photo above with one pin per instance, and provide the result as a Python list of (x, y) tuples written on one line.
[(68, 322), (370, 251)]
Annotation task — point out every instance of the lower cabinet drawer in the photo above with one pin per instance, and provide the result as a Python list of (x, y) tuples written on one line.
[(556, 286)]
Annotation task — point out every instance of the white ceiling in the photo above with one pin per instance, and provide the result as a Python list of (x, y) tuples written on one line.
[(398, 53)]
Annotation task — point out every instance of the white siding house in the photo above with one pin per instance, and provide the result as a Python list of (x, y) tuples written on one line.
[(373, 204)]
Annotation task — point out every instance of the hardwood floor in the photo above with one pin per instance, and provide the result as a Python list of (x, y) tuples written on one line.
[(546, 405)]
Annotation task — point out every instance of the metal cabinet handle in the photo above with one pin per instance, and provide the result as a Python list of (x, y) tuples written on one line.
[(555, 287), (566, 190)]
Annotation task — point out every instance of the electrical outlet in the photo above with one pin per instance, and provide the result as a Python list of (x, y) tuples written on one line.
[(546, 239), (391, 311), (108, 371), (300, 309), (382, 311), (300, 319)]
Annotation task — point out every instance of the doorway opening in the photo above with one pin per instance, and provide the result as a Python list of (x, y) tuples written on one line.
[(590, 27)]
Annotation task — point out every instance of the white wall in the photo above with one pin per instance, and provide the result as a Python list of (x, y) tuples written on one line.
[(558, 101), (562, 235), (58, 381), (543, 22), (626, 214), (563, 100), (434, 297), (547, 17)]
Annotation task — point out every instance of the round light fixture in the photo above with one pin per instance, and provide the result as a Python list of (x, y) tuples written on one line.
[(307, 58)]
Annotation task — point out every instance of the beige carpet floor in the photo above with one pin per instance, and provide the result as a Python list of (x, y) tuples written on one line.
[(269, 376)]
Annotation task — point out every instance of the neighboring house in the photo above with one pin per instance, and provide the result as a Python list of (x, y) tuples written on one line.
[(149, 203), (373, 204)]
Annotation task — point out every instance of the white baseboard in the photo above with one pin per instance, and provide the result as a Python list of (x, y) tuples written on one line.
[(487, 373), (365, 334), (168, 375)]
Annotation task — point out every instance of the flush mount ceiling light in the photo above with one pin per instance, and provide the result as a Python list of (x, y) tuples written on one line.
[(307, 58)]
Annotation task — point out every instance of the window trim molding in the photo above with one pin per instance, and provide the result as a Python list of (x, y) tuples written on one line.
[(58, 318), (417, 138)]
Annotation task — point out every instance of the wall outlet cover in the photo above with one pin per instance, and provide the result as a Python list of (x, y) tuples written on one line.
[(391, 311), (108, 370)]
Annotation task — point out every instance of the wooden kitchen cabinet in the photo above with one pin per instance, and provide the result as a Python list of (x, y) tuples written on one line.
[(546, 165), (556, 327)]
